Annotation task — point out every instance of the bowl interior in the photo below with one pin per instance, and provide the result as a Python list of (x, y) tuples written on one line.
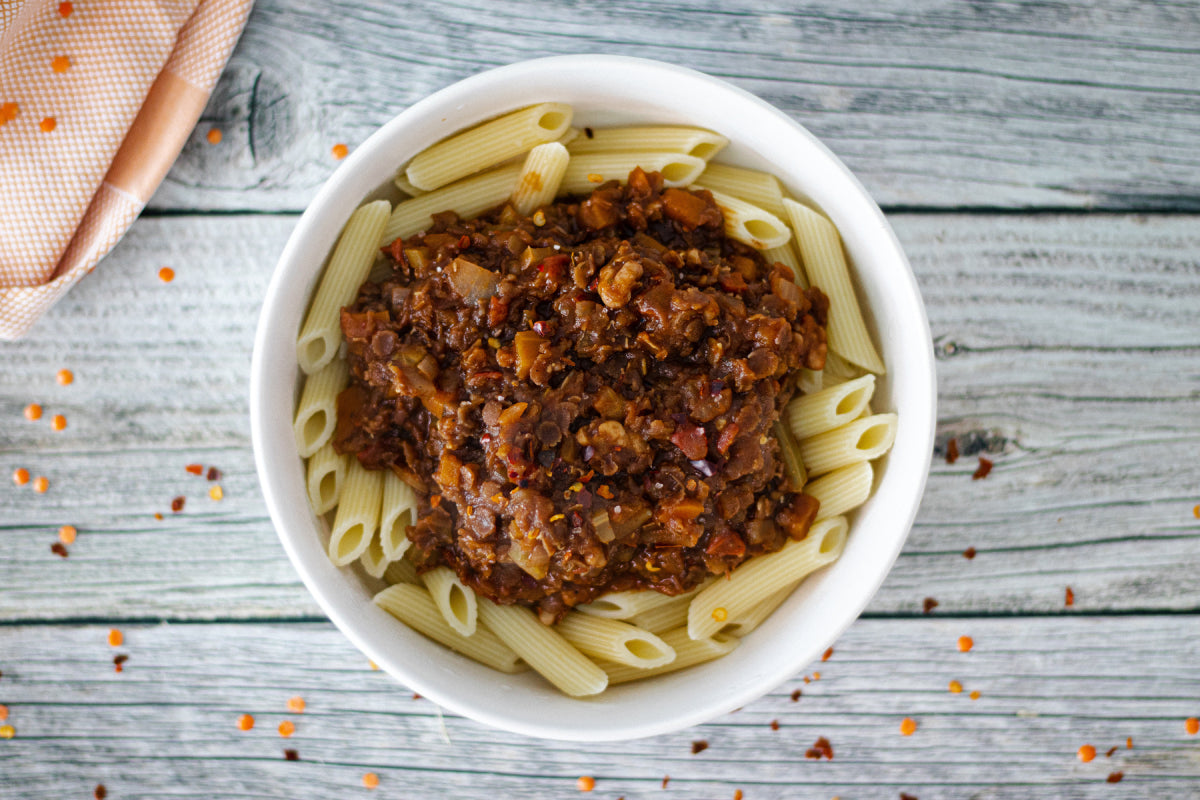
[(608, 90)]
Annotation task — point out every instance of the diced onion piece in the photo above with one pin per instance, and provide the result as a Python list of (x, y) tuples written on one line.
[(472, 281)]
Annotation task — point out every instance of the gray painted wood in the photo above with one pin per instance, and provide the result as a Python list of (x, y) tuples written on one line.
[(166, 726), (1067, 353), (933, 103)]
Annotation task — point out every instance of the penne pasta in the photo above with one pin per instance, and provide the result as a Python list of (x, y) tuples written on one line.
[(667, 616), (759, 188), (825, 263), (750, 620), (326, 471), (623, 605), (761, 577), (403, 184), (399, 510), (316, 413), (401, 571), (356, 250), (413, 606), (786, 254), (469, 198), (810, 381), (616, 641), (789, 453), (748, 223), (455, 601), (488, 144), (860, 440), (373, 560), (839, 370), (688, 653), (357, 516), (544, 649), (586, 172), (843, 489), (540, 177), (653, 138), (830, 408)]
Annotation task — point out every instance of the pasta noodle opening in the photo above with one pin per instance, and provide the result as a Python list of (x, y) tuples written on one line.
[(853, 400), (397, 531), (552, 120), (314, 350), (351, 540), (642, 649), (678, 171), (458, 604), (833, 539), (314, 426), (327, 489), (873, 437), (706, 150), (761, 229), (602, 606)]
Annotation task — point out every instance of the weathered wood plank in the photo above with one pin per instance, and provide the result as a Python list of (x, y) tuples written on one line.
[(933, 104), (1080, 381), (166, 726)]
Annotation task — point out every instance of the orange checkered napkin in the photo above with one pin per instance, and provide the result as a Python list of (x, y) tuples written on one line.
[(97, 98)]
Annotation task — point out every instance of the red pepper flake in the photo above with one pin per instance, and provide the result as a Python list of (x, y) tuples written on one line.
[(975, 695), (435, 501), (1129, 743), (737, 794), (1115, 777), (48, 124), (1192, 726), (1196, 511), (195, 469), (214, 474), (60, 64), (969, 553), (929, 604), (1070, 600), (340, 151), (65, 9), (3, 713), (115, 638), (952, 451), (699, 746), (416, 696), (1086, 753), (965, 643), (666, 780), (774, 724), (907, 796), (119, 662), (796, 695), (1110, 752), (99, 792), (214, 136), (158, 516), (827, 655), (58, 549), (985, 466), (177, 504), (820, 748), (585, 783), (290, 755)]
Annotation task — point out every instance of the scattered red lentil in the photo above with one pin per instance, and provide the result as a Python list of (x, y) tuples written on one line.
[(1110, 752), (119, 662), (969, 553), (340, 151), (666, 780), (65, 9), (195, 469), (7, 732), (296, 705), (214, 474), (245, 722), (1115, 777), (59, 422), (929, 604), (8, 112), (214, 136), (370, 780), (40, 484), (287, 728), (807, 679), (820, 748), (48, 124), (33, 412), (796, 695), (827, 655), (585, 783), (59, 550), (908, 726), (20, 476), (60, 64), (373, 665), (64, 377), (699, 746), (774, 724), (965, 643), (1196, 511), (177, 504), (67, 533), (99, 792), (985, 466), (737, 794), (115, 638), (415, 695), (1070, 598), (157, 515), (1129, 743), (974, 695), (216, 493), (166, 274), (290, 755), (816, 676), (1087, 753), (3, 713), (1192, 725), (907, 796), (952, 451), (955, 687)]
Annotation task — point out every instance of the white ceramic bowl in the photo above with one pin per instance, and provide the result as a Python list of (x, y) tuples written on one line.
[(607, 90)]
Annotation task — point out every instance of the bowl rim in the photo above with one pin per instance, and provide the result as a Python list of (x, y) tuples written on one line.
[(316, 223)]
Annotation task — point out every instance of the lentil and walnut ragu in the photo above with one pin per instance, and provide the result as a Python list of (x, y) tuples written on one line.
[(613, 353)]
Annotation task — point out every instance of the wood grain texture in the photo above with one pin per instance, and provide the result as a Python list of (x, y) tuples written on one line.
[(1067, 352), (166, 727), (933, 103)]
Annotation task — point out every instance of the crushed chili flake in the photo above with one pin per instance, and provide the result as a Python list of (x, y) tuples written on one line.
[(666, 780), (435, 501), (119, 662), (585, 783), (216, 493), (177, 504), (906, 796), (166, 274), (985, 466), (820, 748), (287, 728), (1110, 752), (157, 515), (774, 724), (33, 412), (290, 755), (955, 687), (65, 9), (7, 731), (719, 613), (589, 133), (99, 793), (816, 676), (373, 665), (60, 64), (1070, 599), (1086, 753), (827, 655), (370, 780), (969, 553), (415, 695), (40, 484), (1114, 777), (965, 643), (908, 726), (1192, 725), (64, 377), (20, 476), (48, 124), (3, 713), (807, 679), (929, 604), (1129, 743), (115, 638), (737, 794), (296, 705), (1196, 511), (340, 151), (214, 474), (975, 695), (195, 469), (699, 746), (58, 549), (952, 451), (594, 177), (214, 136), (59, 422), (245, 722)]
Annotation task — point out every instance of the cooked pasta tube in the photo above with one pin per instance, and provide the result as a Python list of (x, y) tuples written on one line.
[(373, 560), (748, 223), (839, 370), (488, 144), (754, 617), (786, 254), (760, 188), (413, 606), (326, 471), (316, 413), (623, 605), (455, 601), (810, 381), (357, 513), (586, 172), (860, 440), (688, 653), (613, 640), (469, 198), (399, 510), (543, 648), (404, 185), (540, 177), (825, 262), (762, 576), (810, 414), (401, 571), (652, 138), (789, 453), (667, 616), (842, 490), (352, 259)]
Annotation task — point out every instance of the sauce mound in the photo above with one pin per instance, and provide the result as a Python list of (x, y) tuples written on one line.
[(584, 398)]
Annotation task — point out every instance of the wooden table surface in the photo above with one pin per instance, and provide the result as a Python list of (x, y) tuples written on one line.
[(1041, 164)]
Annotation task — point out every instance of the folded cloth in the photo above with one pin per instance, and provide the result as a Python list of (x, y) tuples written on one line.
[(97, 98)]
